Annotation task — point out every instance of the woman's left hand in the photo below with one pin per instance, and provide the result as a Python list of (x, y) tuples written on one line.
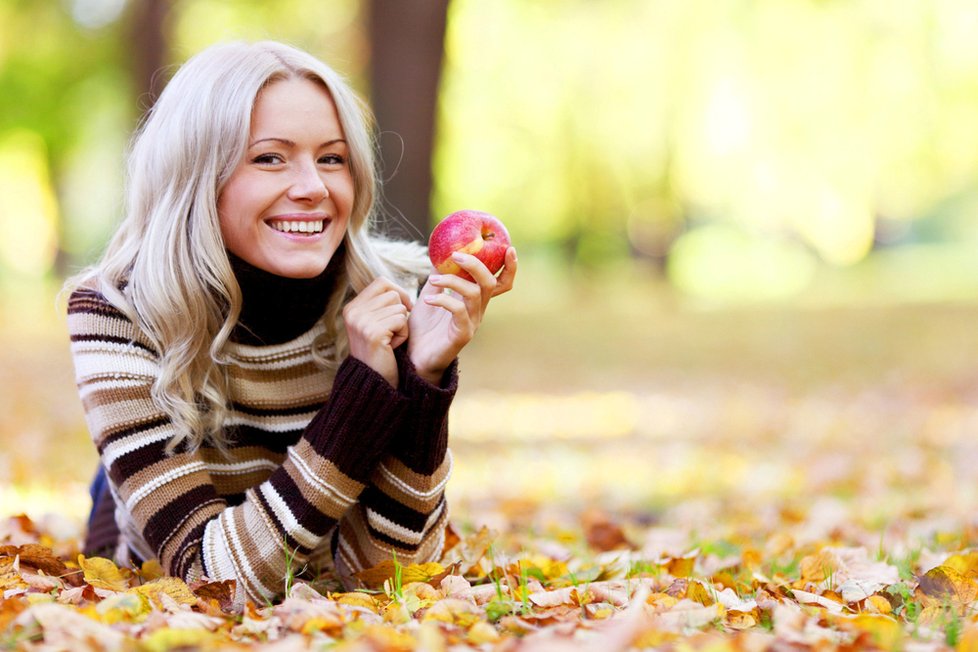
[(449, 311)]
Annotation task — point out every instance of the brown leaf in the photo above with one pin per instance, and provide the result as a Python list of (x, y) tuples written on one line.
[(943, 584), (602, 532), (221, 592)]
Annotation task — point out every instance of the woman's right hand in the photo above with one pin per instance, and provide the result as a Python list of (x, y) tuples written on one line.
[(376, 324)]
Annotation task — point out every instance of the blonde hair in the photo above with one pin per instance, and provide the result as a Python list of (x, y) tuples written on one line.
[(166, 267)]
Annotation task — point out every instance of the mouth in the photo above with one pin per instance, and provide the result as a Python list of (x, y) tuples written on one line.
[(297, 227)]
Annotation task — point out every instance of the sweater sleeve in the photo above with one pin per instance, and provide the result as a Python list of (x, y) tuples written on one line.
[(172, 508), (403, 509)]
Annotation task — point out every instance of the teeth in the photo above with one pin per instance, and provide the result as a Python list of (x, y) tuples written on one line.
[(287, 226)]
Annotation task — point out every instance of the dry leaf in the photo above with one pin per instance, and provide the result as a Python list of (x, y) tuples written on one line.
[(943, 584), (386, 570), (171, 586), (104, 574)]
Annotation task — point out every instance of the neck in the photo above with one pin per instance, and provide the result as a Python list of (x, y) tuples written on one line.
[(276, 309)]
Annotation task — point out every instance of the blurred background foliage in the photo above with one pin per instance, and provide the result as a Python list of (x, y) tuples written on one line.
[(782, 193), (739, 150)]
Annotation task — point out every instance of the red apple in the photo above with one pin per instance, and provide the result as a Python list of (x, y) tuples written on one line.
[(471, 232)]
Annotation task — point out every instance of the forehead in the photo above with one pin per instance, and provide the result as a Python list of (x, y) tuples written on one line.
[(295, 105)]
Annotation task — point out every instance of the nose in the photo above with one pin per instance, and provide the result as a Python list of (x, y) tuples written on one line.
[(307, 184)]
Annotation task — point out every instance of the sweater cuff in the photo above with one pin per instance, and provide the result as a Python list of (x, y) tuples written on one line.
[(422, 440), (354, 428)]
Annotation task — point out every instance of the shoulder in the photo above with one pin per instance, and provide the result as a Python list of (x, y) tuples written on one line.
[(93, 317), (87, 300)]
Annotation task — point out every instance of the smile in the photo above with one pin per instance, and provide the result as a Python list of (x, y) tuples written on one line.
[(296, 226)]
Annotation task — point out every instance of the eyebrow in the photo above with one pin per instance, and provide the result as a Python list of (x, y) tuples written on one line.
[(291, 143)]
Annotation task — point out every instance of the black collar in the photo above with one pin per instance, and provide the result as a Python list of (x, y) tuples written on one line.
[(276, 309)]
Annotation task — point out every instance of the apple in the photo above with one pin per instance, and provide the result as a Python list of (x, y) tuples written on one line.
[(471, 232)]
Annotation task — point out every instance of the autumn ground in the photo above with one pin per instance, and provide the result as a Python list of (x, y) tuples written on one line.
[(632, 471)]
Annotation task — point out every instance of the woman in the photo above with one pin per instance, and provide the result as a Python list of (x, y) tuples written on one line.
[(263, 391)]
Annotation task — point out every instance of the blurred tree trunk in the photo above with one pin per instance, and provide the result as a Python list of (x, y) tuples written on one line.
[(150, 46), (407, 42)]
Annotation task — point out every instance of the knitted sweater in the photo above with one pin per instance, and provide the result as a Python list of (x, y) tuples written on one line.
[(320, 469)]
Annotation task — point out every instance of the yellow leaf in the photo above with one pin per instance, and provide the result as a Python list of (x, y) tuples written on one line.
[(740, 620), (376, 576), (481, 633), (122, 608), (462, 613), (172, 586), (168, 638), (682, 566), (421, 572), (318, 624), (885, 632), (356, 599), (878, 604), (699, 593), (151, 570), (965, 563), (942, 584), (815, 568), (103, 573)]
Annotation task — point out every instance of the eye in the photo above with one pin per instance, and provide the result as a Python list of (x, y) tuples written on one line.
[(267, 159), (332, 159)]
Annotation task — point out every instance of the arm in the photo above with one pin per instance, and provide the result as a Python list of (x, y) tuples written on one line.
[(174, 511), (404, 509)]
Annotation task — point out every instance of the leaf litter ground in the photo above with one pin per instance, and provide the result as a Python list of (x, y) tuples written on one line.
[(798, 501), (829, 521)]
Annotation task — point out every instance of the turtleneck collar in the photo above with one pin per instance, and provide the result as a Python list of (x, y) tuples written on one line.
[(276, 309)]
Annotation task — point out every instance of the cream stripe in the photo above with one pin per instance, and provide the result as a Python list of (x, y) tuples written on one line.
[(306, 539), (241, 468), (126, 445), (272, 423), (384, 524), (253, 584), (161, 480), (215, 553), (328, 491), (413, 491), (89, 365)]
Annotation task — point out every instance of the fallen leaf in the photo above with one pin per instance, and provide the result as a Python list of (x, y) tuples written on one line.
[(375, 577), (942, 584), (221, 592), (103, 573), (171, 586)]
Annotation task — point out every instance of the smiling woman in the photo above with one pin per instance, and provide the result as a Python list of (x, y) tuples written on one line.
[(263, 388)]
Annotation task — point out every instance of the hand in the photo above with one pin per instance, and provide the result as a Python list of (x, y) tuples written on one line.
[(449, 312), (376, 324)]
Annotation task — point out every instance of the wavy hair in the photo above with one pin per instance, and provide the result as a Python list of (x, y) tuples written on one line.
[(166, 266)]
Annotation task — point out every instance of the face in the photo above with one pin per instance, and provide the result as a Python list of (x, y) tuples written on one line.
[(286, 206)]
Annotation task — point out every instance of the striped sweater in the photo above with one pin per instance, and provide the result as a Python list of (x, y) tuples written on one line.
[(322, 472)]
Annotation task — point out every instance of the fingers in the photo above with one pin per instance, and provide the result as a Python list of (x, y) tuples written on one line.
[(464, 321), (378, 316), (504, 282)]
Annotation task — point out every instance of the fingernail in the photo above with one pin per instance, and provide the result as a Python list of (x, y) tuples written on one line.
[(457, 257)]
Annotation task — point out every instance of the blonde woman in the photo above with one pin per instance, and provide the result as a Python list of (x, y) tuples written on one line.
[(263, 389)]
